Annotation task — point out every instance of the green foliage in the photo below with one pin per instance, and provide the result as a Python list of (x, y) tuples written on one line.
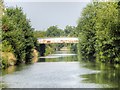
[(1, 9), (49, 49), (70, 31), (54, 31), (17, 34), (99, 32), (39, 34), (4, 62), (6, 46), (87, 33), (73, 47)]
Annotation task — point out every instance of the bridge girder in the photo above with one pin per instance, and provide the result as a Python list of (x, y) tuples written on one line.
[(57, 40)]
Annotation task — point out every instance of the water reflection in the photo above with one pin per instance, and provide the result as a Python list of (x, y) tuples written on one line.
[(62, 70), (102, 78), (9, 70), (59, 56), (109, 74), (12, 69), (41, 60)]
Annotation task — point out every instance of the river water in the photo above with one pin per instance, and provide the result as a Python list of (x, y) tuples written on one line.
[(61, 70)]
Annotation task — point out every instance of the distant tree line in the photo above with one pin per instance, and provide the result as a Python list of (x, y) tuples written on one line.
[(54, 31), (99, 32), (39, 34)]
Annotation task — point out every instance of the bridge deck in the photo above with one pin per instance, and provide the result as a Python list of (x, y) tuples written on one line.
[(58, 40)]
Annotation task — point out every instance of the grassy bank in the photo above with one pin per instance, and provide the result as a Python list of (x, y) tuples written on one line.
[(9, 59)]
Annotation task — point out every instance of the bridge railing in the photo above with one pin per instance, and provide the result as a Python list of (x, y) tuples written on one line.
[(57, 40)]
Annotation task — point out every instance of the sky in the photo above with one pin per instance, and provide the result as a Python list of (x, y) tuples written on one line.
[(44, 14)]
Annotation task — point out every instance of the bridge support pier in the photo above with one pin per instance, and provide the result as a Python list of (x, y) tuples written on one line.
[(42, 49)]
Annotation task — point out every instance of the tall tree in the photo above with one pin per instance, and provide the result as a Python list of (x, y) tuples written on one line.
[(18, 33), (86, 29), (99, 32)]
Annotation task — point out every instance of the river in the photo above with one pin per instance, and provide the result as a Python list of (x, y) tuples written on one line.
[(61, 70)]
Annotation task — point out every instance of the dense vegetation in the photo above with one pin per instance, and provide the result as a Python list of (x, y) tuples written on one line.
[(39, 34), (70, 31), (99, 32), (54, 31), (17, 36), (1, 13)]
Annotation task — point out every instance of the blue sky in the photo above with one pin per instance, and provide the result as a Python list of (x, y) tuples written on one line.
[(45, 14)]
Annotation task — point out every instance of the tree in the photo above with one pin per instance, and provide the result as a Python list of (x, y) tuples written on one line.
[(70, 31), (40, 34), (86, 29), (53, 31), (18, 33), (107, 49), (1, 13), (99, 32)]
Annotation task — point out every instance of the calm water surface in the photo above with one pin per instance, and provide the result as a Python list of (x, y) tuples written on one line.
[(61, 70)]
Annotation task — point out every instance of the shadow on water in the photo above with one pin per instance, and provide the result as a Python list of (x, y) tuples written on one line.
[(59, 56), (41, 60), (12, 69), (107, 74), (59, 59)]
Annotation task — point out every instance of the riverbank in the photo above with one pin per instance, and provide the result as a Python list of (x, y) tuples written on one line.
[(9, 59)]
